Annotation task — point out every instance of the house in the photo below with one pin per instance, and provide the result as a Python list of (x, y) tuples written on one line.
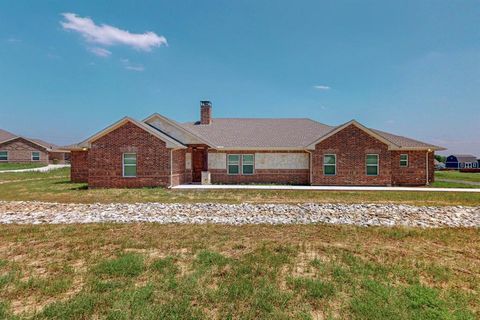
[(438, 165), (461, 161), (159, 151), (18, 149)]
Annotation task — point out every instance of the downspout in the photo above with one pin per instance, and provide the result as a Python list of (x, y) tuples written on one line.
[(171, 169), (310, 165), (426, 167)]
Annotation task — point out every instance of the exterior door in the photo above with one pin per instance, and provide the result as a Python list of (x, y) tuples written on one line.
[(198, 163)]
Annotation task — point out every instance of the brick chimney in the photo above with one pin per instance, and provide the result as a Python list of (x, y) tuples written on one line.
[(205, 112)]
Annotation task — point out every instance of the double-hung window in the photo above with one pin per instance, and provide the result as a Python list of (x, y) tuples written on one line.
[(3, 155), (372, 164), (330, 164), (233, 164), (35, 156), (247, 164), (404, 160), (129, 164)]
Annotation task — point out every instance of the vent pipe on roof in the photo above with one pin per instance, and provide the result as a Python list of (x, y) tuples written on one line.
[(205, 112)]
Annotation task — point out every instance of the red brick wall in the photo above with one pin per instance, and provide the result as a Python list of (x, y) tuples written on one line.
[(79, 166), (351, 146), (266, 176), (415, 173), (20, 151), (106, 154), (178, 167)]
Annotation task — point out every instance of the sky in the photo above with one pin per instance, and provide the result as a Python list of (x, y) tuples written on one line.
[(70, 68)]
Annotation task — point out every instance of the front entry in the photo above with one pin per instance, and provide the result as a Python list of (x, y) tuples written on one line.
[(199, 163)]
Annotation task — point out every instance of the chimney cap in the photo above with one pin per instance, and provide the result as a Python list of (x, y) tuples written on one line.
[(206, 103)]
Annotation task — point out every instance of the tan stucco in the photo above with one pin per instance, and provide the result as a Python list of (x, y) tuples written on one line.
[(217, 161), (281, 161), (188, 161)]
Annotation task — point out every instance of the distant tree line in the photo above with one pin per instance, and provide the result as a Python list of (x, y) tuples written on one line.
[(440, 158)]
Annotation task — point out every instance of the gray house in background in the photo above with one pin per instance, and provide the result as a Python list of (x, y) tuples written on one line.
[(462, 161)]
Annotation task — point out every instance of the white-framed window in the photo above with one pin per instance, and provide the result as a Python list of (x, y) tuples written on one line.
[(248, 161), (233, 164), (371, 163), (404, 160), (468, 165), (3, 155), (35, 156), (330, 164), (129, 165)]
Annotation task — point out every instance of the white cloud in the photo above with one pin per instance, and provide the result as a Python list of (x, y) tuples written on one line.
[(101, 52), (132, 67), (322, 87), (108, 35)]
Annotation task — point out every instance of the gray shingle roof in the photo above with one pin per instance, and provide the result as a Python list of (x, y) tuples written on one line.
[(465, 157), (259, 132), (5, 135), (278, 133)]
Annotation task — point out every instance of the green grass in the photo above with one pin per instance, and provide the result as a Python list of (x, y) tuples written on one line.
[(54, 186), (150, 271), (457, 175), (15, 166)]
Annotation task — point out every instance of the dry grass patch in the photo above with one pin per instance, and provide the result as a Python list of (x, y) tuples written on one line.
[(117, 271)]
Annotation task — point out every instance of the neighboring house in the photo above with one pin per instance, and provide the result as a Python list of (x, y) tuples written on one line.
[(438, 165), (461, 161), (162, 152), (17, 149)]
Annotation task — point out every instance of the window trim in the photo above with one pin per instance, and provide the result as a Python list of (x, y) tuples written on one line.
[(253, 164), (329, 164), (406, 165), (238, 164), (372, 165), (7, 154), (38, 156), (129, 165)]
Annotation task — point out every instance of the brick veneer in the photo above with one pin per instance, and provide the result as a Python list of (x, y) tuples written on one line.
[(351, 145), (414, 173), (20, 151), (277, 176), (79, 166), (106, 154)]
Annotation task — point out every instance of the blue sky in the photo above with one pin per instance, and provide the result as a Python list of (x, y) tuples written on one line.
[(407, 67)]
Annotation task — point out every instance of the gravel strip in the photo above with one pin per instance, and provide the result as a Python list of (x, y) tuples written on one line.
[(32, 212)]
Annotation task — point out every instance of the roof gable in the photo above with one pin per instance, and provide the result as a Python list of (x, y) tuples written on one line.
[(170, 142)]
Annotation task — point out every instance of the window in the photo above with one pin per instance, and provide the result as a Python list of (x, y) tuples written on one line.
[(404, 160), (35, 156), (247, 164), (330, 164), (129, 164), (3, 155), (372, 164), (233, 164)]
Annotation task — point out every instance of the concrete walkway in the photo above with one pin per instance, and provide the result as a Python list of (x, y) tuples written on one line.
[(320, 188), (41, 169)]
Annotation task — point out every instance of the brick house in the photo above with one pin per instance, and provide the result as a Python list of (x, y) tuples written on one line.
[(162, 152), (18, 149)]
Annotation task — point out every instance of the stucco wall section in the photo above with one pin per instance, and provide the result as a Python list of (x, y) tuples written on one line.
[(281, 161), (188, 161), (217, 161)]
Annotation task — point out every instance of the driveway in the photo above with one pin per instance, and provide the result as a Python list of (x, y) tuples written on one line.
[(41, 169), (321, 188)]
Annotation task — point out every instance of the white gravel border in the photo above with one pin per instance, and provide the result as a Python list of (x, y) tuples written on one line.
[(32, 212)]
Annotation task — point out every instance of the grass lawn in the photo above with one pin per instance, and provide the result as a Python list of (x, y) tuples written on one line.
[(457, 175), (140, 271), (15, 166), (55, 186)]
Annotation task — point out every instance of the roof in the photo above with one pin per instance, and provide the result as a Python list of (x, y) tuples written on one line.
[(241, 133), (465, 157), (7, 136), (404, 142)]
